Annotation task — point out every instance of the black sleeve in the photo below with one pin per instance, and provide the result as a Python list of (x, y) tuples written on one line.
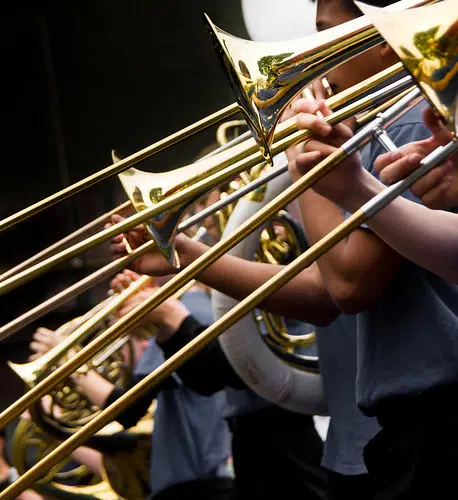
[(207, 372), (133, 413)]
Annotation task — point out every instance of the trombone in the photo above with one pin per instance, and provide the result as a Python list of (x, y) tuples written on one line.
[(312, 56), (250, 302), (172, 286), (163, 215), (367, 211)]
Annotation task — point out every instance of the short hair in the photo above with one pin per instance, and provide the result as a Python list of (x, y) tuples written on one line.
[(351, 7)]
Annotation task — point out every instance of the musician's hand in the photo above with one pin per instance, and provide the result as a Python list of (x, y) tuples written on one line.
[(438, 189), (326, 140), (167, 317), (43, 341), (153, 262)]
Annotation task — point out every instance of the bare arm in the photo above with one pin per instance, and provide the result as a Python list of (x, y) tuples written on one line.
[(357, 270), (305, 297)]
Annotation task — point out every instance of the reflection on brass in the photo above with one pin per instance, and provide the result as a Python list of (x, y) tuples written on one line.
[(426, 41), (68, 409), (279, 245), (30, 444), (222, 133), (210, 173), (265, 76), (121, 166)]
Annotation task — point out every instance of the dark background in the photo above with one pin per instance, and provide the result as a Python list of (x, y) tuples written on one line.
[(78, 79)]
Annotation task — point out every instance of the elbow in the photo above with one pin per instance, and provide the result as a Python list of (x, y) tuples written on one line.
[(353, 297), (324, 318)]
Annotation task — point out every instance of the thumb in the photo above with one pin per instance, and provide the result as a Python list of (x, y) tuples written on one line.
[(437, 127)]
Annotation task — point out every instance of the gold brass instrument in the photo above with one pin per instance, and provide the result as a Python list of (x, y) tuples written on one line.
[(431, 56), (271, 286), (172, 286), (30, 444), (174, 190), (279, 244), (252, 300), (265, 76), (68, 410), (281, 76)]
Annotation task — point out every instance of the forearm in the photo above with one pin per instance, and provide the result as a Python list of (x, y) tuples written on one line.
[(427, 237), (357, 269), (304, 297)]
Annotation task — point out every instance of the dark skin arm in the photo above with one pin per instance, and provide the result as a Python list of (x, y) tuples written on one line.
[(304, 298), (357, 270)]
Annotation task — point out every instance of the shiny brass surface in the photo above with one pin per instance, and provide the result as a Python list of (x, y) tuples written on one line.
[(363, 35), (119, 167), (213, 331), (207, 175), (222, 133), (170, 365), (265, 76), (426, 41), (65, 241), (30, 444), (66, 408), (279, 245), (30, 372)]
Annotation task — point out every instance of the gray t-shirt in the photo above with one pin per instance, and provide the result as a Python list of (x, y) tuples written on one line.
[(408, 341), (191, 439), (349, 430)]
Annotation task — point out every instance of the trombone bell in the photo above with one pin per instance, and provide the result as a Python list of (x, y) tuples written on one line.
[(426, 41), (266, 76)]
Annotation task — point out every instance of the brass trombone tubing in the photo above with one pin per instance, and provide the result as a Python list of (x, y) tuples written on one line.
[(227, 170), (120, 166), (84, 330), (241, 309), (64, 241), (119, 264), (175, 283), (96, 222), (113, 267)]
